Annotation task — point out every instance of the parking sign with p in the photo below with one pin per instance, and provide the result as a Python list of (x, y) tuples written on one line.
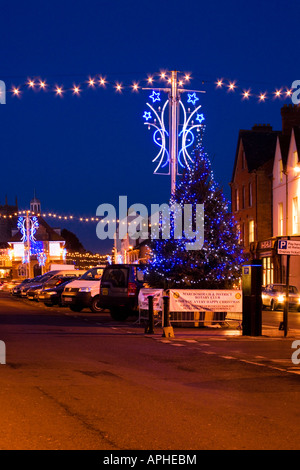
[(289, 247), (282, 245)]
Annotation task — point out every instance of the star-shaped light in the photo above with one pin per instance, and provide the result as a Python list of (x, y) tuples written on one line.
[(192, 98), (200, 118), (155, 96), (147, 115)]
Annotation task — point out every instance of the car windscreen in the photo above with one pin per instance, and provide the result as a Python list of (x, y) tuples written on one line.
[(293, 290), (93, 274), (116, 276), (282, 289), (45, 277), (55, 281)]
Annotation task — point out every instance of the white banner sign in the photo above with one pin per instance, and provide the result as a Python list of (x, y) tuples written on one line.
[(157, 299), (183, 300)]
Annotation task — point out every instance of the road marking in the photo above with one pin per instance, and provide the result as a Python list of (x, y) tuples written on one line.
[(252, 362), (281, 361)]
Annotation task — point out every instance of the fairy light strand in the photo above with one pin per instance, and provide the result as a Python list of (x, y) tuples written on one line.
[(101, 81)]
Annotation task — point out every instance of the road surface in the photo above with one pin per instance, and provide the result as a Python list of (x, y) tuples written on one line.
[(82, 381)]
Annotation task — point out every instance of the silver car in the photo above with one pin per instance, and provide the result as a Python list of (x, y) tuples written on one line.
[(274, 295)]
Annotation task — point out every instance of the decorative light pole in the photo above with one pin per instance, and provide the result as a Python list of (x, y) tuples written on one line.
[(174, 113), (27, 245), (28, 227), (172, 158)]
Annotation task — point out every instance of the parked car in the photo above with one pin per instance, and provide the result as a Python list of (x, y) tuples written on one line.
[(51, 295), (38, 280), (9, 285), (16, 291), (274, 296), (84, 292), (119, 290), (56, 279)]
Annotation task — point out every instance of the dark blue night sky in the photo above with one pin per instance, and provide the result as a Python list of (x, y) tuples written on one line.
[(79, 152)]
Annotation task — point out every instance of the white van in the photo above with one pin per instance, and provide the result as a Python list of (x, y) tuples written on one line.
[(84, 292)]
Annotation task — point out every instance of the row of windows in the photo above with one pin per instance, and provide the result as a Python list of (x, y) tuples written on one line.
[(295, 217), (295, 163), (241, 204), (241, 232)]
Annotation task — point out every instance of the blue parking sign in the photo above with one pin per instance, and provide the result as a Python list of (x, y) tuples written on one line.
[(282, 244)]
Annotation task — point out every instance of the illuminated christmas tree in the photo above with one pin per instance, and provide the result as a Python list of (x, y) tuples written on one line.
[(218, 263)]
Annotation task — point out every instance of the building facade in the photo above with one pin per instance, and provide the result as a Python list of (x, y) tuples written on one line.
[(271, 168), (20, 258), (251, 184)]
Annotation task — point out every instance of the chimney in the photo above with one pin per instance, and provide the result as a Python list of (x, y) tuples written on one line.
[(262, 128), (290, 115)]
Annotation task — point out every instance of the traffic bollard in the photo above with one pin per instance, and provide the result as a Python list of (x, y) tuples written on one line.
[(167, 328), (150, 327)]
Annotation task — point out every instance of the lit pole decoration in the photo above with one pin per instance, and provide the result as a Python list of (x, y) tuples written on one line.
[(28, 227), (169, 158)]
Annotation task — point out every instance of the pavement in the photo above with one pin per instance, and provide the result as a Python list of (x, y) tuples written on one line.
[(225, 332)]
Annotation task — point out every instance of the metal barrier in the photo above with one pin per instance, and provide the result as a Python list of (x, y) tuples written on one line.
[(197, 318)]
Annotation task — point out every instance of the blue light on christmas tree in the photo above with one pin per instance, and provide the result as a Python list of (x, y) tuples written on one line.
[(218, 263)]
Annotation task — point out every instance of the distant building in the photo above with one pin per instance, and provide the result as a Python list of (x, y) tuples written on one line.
[(8, 218), (46, 248), (86, 260)]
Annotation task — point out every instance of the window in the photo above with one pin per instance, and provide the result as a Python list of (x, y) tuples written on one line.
[(296, 163), (251, 231), (54, 249), (243, 197), (238, 232), (295, 215), (237, 200), (280, 219), (243, 161), (295, 158), (116, 276), (93, 274), (268, 271), (280, 171), (250, 195)]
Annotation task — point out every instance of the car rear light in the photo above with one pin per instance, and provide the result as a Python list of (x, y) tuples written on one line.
[(131, 288)]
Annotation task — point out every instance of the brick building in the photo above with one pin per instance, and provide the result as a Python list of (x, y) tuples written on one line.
[(251, 184)]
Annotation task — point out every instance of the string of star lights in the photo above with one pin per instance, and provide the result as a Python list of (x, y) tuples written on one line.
[(53, 215), (101, 81), (56, 216)]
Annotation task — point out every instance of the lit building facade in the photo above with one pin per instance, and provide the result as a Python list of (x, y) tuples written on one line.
[(272, 168)]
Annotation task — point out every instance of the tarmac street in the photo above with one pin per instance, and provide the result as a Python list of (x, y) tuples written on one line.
[(83, 381)]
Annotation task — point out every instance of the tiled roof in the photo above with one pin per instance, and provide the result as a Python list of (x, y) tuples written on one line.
[(297, 138), (43, 233), (259, 148), (284, 142)]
